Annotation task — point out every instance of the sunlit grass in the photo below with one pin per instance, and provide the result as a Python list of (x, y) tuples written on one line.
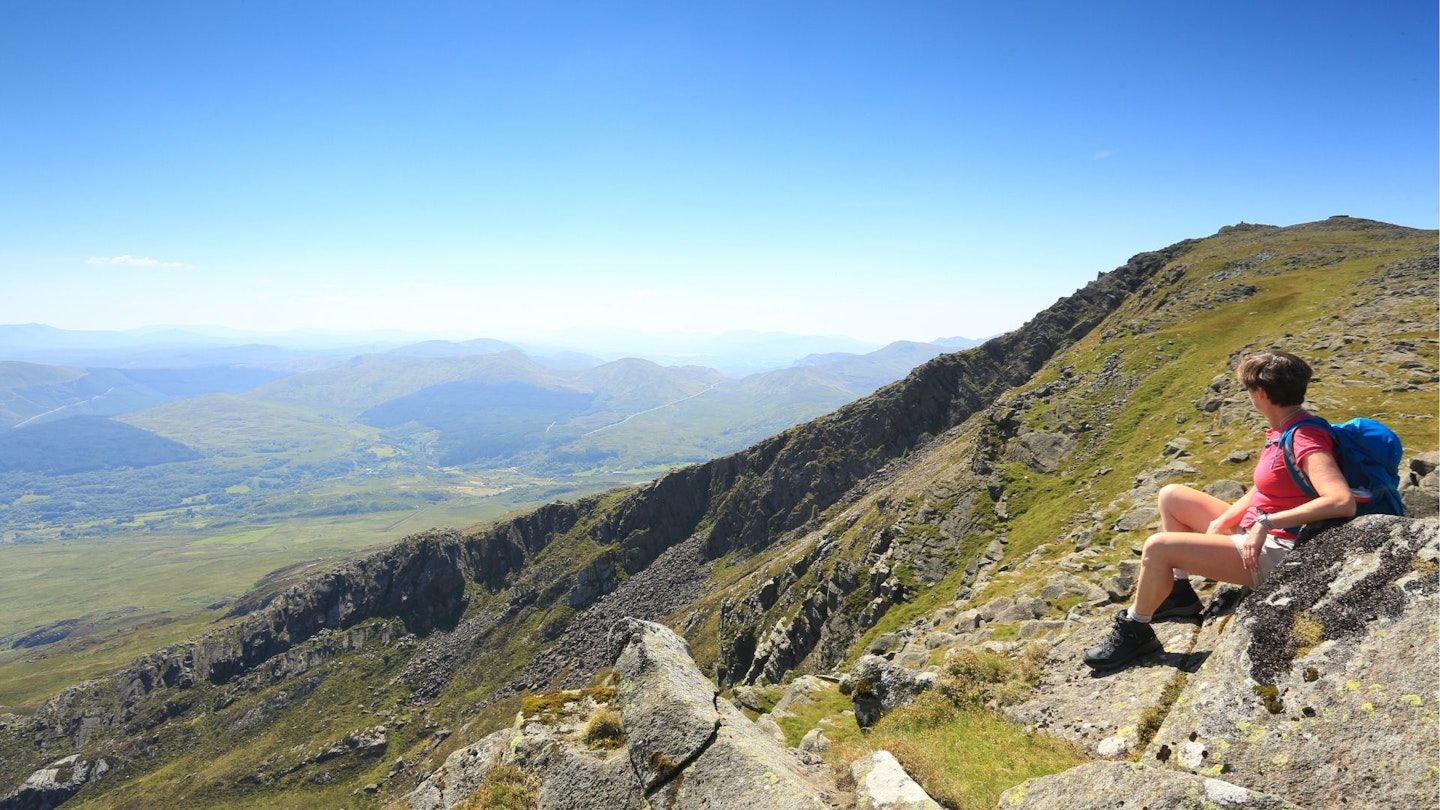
[(951, 741), (964, 758)]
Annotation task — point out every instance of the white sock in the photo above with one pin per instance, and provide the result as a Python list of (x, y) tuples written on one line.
[(1143, 618), (1179, 574)]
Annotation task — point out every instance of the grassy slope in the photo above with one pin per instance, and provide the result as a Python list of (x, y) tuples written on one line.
[(15, 374), (1181, 357), (1174, 364), (231, 425)]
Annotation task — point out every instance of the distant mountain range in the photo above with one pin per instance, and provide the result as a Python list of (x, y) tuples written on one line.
[(478, 402), (734, 353), (232, 434)]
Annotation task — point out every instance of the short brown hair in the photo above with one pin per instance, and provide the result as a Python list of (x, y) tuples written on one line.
[(1281, 375)]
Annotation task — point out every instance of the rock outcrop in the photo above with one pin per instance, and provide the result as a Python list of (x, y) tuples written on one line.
[(54, 784), (882, 784), (548, 748), (876, 686), (691, 750), (418, 581), (683, 747)]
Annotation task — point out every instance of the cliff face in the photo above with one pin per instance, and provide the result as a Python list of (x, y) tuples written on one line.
[(993, 491)]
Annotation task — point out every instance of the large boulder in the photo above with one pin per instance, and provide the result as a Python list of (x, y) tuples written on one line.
[(746, 768), (881, 783), (682, 747), (550, 746), (1324, 687), (876, 686), (668, 706), (691, 750)]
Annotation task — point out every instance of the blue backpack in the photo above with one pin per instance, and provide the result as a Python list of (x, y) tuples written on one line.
[(1369, 456)]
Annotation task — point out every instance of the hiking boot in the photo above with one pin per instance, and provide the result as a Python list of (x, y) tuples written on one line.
[(1127, 641), (1182, 603)]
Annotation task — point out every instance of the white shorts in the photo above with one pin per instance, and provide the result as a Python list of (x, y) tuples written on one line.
[(1273, 552)]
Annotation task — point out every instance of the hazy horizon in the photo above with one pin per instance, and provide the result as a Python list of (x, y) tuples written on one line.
[(568, 338), (736, 353)]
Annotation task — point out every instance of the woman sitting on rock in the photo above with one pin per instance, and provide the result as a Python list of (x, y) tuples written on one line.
[(1241, 542)]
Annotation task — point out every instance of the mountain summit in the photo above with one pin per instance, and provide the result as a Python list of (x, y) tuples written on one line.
[(995, 495)]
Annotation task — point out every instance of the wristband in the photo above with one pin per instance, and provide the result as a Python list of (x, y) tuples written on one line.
[(1263, 518)]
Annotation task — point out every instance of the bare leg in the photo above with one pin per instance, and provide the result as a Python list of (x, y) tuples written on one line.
[(1186, 509), (1212, 556), (1183, 509)]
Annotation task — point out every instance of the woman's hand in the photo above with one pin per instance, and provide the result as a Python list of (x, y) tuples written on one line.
[(1224, 524), (1254, 543), (1228, 522)]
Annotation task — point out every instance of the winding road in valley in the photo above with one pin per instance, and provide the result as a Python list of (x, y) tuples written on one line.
[(650, 410), (65, 407)]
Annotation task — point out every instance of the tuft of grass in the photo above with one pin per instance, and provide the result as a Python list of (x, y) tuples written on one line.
[(604, 729), (552, 706), (974, 678), (827, 703), (1005, 631), (940, 737), (505, 787)]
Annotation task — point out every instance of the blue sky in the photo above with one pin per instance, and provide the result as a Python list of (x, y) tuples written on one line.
[(883, 171)]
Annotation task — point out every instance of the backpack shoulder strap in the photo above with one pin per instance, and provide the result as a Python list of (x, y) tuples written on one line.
[(1287, 451)]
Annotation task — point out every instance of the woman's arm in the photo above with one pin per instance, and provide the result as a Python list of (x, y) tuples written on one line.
[(1229, 521), (1333, 500)]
